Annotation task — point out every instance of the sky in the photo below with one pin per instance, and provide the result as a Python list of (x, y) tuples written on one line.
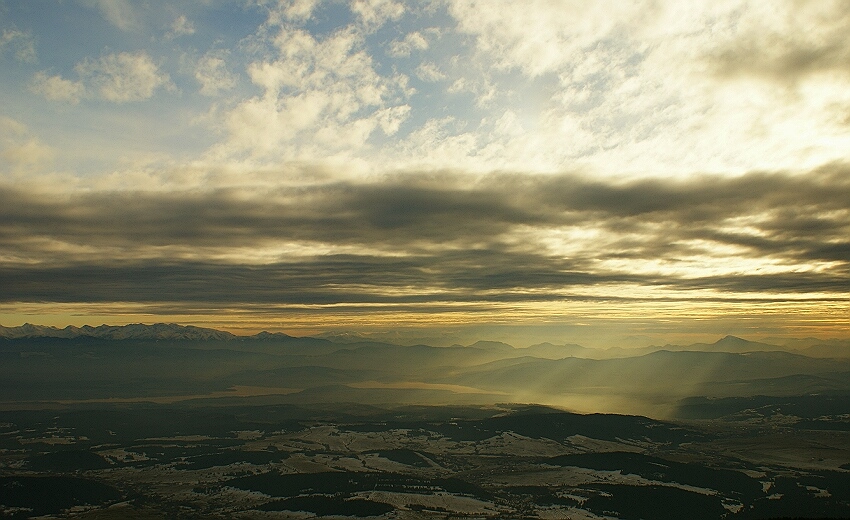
[(521, 170)]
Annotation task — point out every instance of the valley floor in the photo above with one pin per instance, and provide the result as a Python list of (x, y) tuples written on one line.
[(147, 461)]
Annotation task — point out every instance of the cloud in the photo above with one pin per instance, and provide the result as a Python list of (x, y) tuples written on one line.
[(119, 78), (540, 36), (427, 71), (293, 10), (412, 41), (21, 153), (322, 96), (327, 280), (20, 44), (436, 238), (119, 13), (123, 77), (213, 75), (566, 152), (612, 88), (788, 44), (181, 26), (56, 88), (641, 88), (655, 87), (375, 13)]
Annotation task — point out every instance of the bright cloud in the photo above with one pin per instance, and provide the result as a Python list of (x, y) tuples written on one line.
[(635, 89), (787, 45), (321, 96), (662, 87)]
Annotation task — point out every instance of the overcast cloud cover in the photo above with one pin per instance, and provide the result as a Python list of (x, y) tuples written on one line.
[(641, 168)]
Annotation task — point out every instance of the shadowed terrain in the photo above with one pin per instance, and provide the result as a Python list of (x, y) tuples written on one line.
[(175, 422)]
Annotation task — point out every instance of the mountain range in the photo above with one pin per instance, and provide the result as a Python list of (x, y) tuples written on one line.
[(171, 331), (175, 363), (155, 331)]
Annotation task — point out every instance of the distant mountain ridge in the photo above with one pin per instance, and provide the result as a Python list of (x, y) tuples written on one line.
[(175, 332), (734, 344), (170, 331)]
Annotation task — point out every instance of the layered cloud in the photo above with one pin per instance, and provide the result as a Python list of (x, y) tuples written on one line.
[(436, 238)]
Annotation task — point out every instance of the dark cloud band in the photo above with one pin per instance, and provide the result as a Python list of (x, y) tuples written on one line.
[(426, 238)]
